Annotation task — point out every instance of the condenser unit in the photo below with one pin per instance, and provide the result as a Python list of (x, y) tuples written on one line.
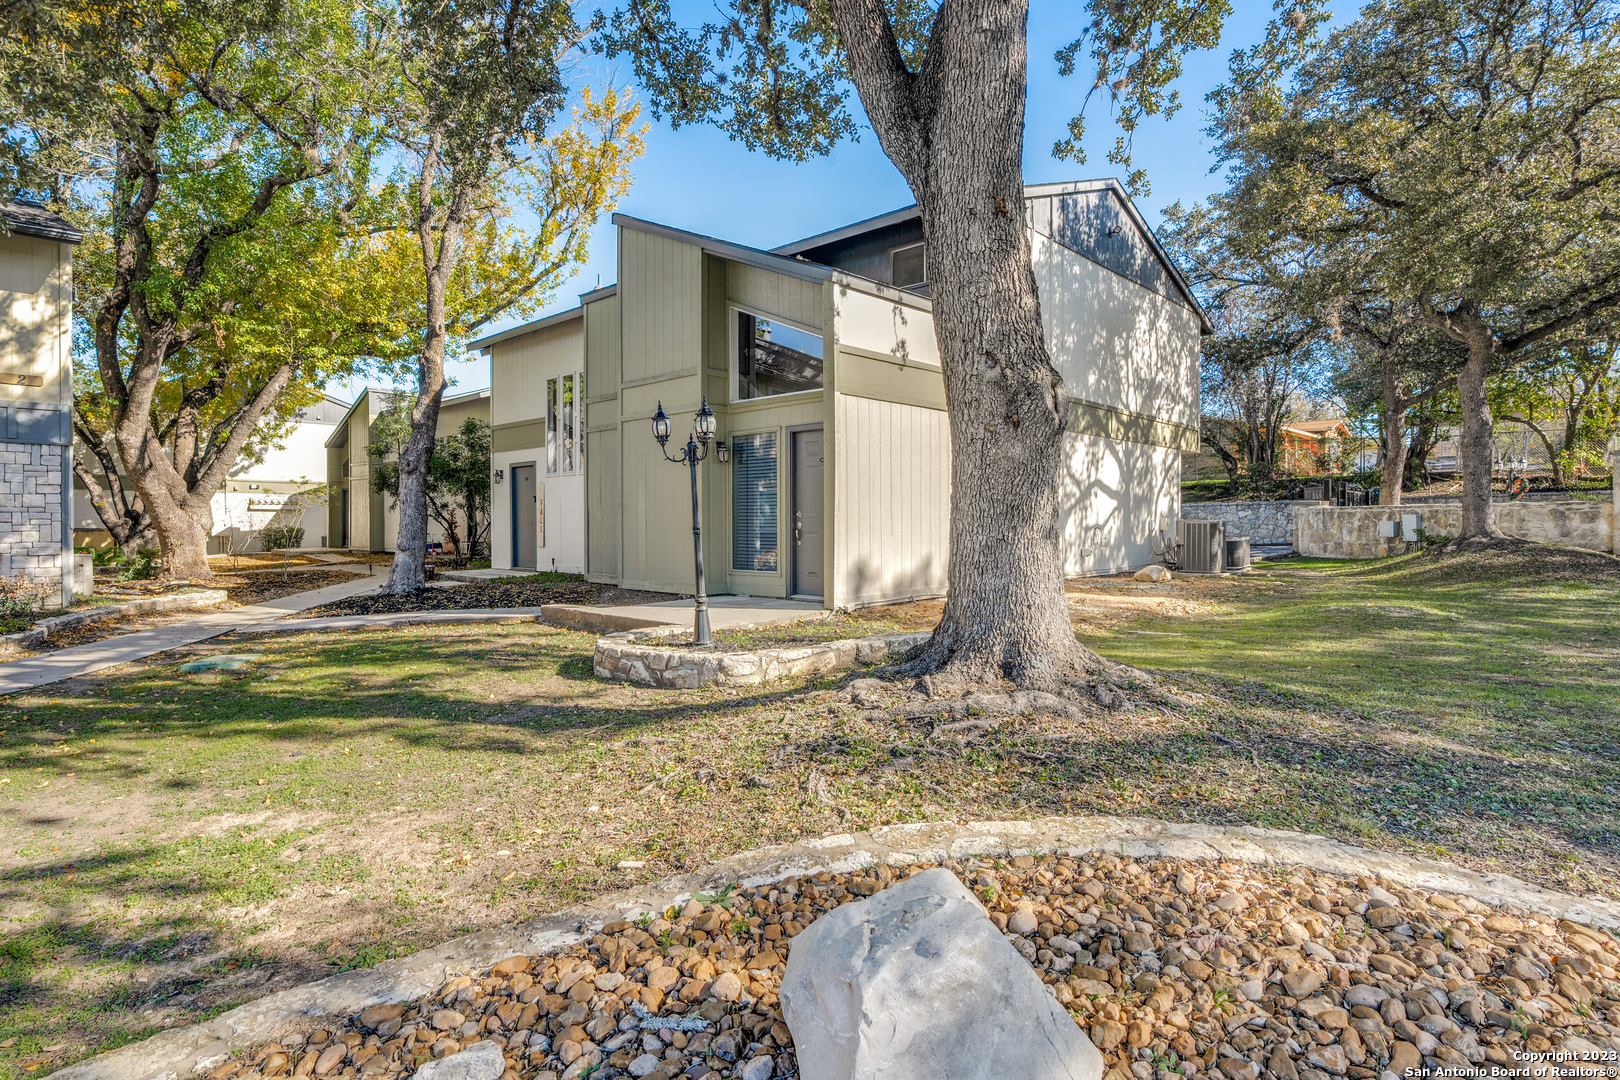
[(1203, 546), (1237, 553)]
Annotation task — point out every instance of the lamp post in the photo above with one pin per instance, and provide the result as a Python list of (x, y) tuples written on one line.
[(695, 450)]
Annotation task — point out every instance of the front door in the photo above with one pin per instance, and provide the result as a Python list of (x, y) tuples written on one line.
[(344, 539), (809, 527), (525, 517)]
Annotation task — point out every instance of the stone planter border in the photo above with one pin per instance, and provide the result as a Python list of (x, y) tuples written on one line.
[(173, 1055), (43, 630), (623, 658)]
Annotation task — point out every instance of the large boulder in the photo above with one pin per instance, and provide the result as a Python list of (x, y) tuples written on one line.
[(917, 983)]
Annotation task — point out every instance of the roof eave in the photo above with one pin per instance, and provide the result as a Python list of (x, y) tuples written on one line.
[(483, 344)]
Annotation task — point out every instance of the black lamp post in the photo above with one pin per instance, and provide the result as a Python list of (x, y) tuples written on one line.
[(695, 450)]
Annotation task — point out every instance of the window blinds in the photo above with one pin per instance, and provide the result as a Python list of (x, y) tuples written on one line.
[(753, 498)]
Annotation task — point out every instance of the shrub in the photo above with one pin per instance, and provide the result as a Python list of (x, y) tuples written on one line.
[(20, 597), (272, 537), (143, 566)]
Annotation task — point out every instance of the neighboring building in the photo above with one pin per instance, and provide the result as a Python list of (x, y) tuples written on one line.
[(820, 362), (357, 517), (1315, 447), (273, 491), (537, 498), (36, 396)]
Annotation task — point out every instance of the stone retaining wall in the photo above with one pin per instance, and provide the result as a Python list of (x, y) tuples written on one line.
[(1351, 532), (41, 631), (628, 658), (1261, 522)]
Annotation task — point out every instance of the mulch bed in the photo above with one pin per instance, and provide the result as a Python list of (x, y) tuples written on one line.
[(1172, 967), (507, 593), (256, 588)]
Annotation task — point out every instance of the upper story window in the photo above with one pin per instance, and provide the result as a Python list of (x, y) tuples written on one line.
[(775, 358), (563, 398), (908, 267)]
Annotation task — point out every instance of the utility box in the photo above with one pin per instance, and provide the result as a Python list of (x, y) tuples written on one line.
[(1203, 547), (1388, 529), (84, 575), (1411, 525)]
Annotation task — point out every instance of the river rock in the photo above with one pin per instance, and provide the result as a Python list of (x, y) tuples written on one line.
[(917, 983), (480, 1061)]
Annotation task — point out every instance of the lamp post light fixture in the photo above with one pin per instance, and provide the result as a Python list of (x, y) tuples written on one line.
[(695, 450)]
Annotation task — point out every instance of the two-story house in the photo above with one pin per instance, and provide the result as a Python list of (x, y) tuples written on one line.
[(820, 361)]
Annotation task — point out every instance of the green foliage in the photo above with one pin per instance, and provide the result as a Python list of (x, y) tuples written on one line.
[(143, 566), (773, 74), (1409, 159), (20, 598), (458, 477), (272, 537)]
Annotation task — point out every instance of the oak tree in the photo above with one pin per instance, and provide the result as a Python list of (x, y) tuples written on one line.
[(943, 84), (1472, 152), (479, 83)]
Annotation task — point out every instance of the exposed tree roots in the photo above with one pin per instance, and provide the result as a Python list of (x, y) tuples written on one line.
[(949, 708)]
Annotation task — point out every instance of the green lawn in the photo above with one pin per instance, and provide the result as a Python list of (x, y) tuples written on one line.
[(173, 845)]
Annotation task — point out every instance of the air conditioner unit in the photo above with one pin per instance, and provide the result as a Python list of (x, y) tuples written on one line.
[(1203, 546), (1237, 553)]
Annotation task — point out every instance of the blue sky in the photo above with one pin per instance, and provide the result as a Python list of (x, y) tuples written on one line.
[(696, 178)]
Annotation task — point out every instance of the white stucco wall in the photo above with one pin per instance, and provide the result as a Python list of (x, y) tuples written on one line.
[(884, 326)]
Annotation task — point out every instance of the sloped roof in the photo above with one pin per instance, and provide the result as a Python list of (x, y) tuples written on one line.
[(1031, 191), (28, 218)]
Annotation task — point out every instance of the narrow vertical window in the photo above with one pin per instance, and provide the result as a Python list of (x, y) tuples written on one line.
[(753, 497), (567, 423), (551, 425)]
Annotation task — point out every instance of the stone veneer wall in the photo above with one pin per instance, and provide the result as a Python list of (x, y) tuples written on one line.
[(1351, 532), (1261, 522), (31, 514)]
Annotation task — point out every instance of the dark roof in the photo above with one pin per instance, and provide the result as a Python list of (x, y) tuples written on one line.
[(29, 218)]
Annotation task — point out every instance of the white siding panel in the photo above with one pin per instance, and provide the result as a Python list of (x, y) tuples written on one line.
[(883, 326), (891, 516), (1115, 498), (1115, 342)]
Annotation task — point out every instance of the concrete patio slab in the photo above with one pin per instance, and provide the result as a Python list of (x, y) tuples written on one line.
[(725, 613)]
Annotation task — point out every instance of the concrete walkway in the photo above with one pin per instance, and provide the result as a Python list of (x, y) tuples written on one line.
[(725, 613), (486, 574), (37, 671)]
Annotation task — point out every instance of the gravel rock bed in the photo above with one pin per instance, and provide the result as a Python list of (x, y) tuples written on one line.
[(1175, 969)]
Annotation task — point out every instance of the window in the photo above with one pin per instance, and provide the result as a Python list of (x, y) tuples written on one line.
[(551, 425), (908, 267), (562, 423), (753, 502), (775, 358)]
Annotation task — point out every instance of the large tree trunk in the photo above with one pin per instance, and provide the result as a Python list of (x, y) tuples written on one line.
[(956, 134), (440, 251), (408, 573), (1389, 490), (1478, 515)]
